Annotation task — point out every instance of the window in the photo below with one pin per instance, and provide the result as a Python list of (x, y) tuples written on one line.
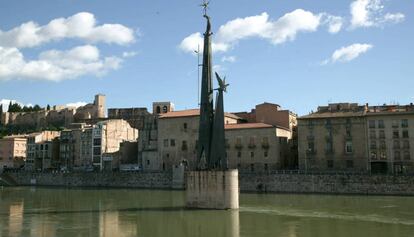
[(371, 123), (383, 145), (266, 167), (165, 142), (395, 134), (406, 144), (381, 124), (330, 163), (97, 151), (185, 126), (311, 146), (252, 142), (372, 134), (164, 109), (252, 167), (163, 166), (395, 123), (397, 155), (97, 141), (239, 143), (383, 155), (265, 154), (396, 144), (148, 162), (348, 147), (382, 134), (329, 146), (405, 134), (184, 146), (252, 154), (407, 155), (404, 123), (348, 132), (349, 164), (265, 142), (328, 122), (172, 142), (239, 154)]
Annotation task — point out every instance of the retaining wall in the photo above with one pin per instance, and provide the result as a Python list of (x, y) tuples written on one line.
[(280, 183)]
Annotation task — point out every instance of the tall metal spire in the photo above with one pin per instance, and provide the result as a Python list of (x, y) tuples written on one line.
[(206, 100)]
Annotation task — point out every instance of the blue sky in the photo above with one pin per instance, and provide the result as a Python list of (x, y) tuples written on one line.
[(297, 53)]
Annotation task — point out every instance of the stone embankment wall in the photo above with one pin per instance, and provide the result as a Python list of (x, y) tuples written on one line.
[(156, 180), (279, 183), (328, 184)]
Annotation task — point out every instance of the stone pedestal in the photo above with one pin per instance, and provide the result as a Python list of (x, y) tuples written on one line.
[(213, 189)]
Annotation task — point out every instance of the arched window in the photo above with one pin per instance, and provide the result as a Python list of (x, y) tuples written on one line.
[(158, 110), (164, 109)]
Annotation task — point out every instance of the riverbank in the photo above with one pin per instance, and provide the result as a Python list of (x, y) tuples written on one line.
[(249, 182)]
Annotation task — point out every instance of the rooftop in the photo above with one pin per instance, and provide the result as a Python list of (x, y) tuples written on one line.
[(247, 126), (338, 110), (191, 113)]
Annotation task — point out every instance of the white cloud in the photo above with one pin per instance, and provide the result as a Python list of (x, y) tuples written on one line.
[(348, 53), (278, 31), (219, 68), (80, 26), (334, 23), (56, 65), (76, 104), (129, 54), (369, 13), (229, 59)]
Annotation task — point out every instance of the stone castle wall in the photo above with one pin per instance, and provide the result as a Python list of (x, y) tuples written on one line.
[(279, 183)]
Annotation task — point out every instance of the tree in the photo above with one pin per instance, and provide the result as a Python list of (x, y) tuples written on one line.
[(36, 108), (1, 109), (48, 107), (10, 107)]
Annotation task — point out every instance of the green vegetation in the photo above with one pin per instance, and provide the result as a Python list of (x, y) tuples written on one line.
[(15, 107)]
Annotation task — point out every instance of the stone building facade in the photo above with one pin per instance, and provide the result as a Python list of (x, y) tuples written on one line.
[(250, 146), (57, 116), (42, 150), (12, 151), (75, 147), (390, 138), (106, 139), (352, 137)]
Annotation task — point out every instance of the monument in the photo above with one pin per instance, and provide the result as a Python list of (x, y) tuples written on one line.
[(212, 185)]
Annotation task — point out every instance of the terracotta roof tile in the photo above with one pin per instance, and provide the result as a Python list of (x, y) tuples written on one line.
[(191, 113), (247, 126)]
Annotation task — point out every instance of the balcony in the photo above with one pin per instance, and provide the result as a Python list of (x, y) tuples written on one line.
[(252, 145), (265, 145), (238, 146)]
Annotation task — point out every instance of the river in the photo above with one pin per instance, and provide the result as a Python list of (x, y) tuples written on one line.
[(29, 211)]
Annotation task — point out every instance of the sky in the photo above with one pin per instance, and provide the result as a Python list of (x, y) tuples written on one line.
[(298, 53)]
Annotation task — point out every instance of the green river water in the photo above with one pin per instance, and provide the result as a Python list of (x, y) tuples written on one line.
[(26, 211)]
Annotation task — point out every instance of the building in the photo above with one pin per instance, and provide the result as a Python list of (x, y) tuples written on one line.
[(250, 146), (74, 150), (134, 116), (57, 116), (390, 138), (42, 151), (106, 139), (12, 151), (351, 137), (273, 114)]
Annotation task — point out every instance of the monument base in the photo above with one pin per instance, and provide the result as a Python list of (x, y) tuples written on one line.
[(213, 189)]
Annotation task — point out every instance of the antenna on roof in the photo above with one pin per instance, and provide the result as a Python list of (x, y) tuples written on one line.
[(198, 73)]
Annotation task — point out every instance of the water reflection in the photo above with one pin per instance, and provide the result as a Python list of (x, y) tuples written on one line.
[(119, 212)]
